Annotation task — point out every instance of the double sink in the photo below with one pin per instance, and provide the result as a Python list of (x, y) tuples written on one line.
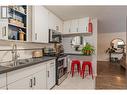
[(21, 62)]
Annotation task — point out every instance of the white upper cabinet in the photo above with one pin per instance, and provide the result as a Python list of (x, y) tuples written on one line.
[(54, 22), (83, 25), (40, 24), (74, 26), (42, 21), (4, 29), (67, 27)]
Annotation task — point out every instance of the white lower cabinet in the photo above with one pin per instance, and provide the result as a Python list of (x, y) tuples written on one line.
[(51, 74), (40, 76), (3, 81), (39, 80), (25, 83), (3, 88), (35, 81), (32, 77)]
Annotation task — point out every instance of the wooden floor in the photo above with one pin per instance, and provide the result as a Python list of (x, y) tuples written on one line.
[(110, 76)]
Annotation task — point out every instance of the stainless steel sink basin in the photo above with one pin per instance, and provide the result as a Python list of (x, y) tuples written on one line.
[(18, 63)]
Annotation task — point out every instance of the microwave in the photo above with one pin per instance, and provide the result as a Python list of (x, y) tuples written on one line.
[(54, 36)]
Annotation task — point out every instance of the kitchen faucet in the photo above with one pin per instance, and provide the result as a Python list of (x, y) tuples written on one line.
[(14, 54)]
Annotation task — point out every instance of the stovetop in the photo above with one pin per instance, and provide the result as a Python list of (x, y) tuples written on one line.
[(57, 55)]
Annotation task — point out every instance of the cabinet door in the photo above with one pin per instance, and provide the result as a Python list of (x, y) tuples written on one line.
[(67, 27), (4, 29), (74, 26), (2, 80), (83, 25), (25, 83), (39, 79), (51, 75), (54, 22), (3, 88), (40, 24)]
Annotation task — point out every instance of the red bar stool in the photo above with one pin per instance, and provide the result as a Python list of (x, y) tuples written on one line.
[(89, 64), (73, 63)]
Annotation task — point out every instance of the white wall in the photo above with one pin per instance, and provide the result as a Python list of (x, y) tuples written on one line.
[(111, 24), (104, 40), (7, 55)]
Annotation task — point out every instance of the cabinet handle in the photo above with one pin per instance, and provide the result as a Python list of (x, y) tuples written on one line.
[(86, 28), (35, 36), (77, 29), (51, 63), (34, 81), (48, 73), (69, 30), (31, 83)]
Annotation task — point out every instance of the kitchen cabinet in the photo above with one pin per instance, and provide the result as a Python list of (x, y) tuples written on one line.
[(33, 77), (54, 23), (15, 20), (3, 81), (25, 83), (51, 74), (3, 88), (83, 25), (39, 79), (67, 27), (35, 81), (42, 21), (4, 29), (40, 24), (74, 26)]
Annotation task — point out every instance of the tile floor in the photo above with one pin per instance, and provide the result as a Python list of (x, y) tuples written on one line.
[(76, 82)]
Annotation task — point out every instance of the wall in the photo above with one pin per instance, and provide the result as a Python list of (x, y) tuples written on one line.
[(111, 24), (104, 40), (23, 54)]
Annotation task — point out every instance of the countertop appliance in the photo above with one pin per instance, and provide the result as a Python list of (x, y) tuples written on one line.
[(54, 36)]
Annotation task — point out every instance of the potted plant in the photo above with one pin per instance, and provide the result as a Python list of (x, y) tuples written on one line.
[(88, 49)]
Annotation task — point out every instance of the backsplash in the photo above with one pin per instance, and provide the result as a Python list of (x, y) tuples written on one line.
[(68, 47), (23, 54)]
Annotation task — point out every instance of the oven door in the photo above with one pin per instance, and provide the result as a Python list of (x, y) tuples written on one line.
[(54, 37)]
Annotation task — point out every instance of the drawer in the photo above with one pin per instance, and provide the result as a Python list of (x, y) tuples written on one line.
[(2, 80), (25, 72)]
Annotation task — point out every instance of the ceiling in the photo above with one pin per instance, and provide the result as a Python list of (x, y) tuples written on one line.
[(72, 12)]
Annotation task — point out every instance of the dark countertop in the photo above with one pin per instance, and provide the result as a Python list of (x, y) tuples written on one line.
[(33, 61), (75, 54)]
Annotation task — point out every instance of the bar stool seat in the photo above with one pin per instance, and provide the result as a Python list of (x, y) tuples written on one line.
[(89, 64), (73, 63)]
